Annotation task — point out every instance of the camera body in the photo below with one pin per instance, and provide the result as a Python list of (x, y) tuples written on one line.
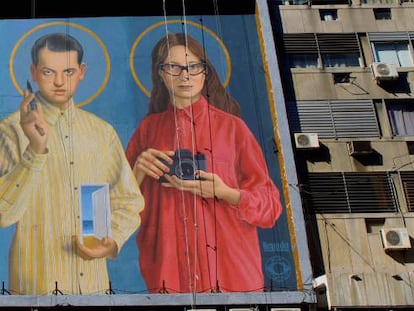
[(185, 165)]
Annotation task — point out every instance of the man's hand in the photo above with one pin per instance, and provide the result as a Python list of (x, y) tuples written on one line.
[(94, 248), (33, 124)]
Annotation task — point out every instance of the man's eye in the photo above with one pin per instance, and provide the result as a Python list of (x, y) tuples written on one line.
[(69, 72), (47, 72)]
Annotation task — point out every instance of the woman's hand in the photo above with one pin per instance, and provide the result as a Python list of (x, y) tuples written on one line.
[(149, 163), (209, 186)]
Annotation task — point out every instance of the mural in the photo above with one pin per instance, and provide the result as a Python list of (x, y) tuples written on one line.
[(115, 85)]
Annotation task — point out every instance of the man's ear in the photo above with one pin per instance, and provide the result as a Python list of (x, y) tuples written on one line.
[(82, 69)]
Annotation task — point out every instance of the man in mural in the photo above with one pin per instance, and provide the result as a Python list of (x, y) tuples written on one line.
[(204, 179), (48, 149)]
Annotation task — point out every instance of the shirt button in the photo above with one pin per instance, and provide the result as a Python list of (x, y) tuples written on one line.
[(81, 274)]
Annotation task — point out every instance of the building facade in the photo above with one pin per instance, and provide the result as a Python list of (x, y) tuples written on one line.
[(347, 74)]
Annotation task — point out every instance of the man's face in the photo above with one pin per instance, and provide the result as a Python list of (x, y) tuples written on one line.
[(57, 75)]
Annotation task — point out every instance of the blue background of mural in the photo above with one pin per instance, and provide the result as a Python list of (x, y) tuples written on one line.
[(122, 100)]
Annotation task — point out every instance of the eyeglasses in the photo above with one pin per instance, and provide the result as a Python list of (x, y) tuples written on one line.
[(176, 70)]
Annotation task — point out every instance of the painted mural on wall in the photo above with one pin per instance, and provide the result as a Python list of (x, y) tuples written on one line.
[(93, 113)]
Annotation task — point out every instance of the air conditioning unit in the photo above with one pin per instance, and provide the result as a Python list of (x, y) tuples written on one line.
[(306, 140), (383, 71), (395, 238), (359, 147)]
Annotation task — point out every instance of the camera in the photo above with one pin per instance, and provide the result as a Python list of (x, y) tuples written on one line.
[(185, 164)]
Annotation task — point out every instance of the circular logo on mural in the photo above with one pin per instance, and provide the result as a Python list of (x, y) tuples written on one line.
[(278, 269)]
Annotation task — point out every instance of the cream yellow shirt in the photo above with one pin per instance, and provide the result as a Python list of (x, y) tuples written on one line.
[(40, 194)]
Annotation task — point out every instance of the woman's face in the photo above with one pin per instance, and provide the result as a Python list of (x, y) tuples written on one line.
[(183, 76)]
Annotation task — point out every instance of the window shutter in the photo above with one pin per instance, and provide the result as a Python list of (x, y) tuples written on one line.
[(388, 36), (301, 43), (344, 43), (334, 119), (407, 181), (350, 192)]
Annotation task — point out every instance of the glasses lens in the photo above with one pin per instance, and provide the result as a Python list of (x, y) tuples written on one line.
[(176, 70), (195, 69), (171, 69)]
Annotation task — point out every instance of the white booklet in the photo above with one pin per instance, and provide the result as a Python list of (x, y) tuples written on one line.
[(95, 211)]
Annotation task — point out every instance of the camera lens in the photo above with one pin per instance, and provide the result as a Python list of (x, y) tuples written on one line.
[(185, 169)]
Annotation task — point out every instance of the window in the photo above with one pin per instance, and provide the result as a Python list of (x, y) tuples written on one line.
[(328, 2), (301, 50), (322, 50), (298, 2), (401, 116), (375, 2), (328, 15), (393, 53), (334, 119), (303, 60), (332, 60), (407, 181), (318, 2), (342, 77), (382, 13), (392, 48), (350, 192)]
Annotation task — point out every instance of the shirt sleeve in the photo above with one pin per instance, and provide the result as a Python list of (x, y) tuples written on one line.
[(259, 203), (132, 148), (17, 176), (126, 199)]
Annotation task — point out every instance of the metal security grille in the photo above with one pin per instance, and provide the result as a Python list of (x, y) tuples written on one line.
[(300, 43), (340, 43), (389, 36), (351, 192), (407, 181), (344, 43), (334, 119)]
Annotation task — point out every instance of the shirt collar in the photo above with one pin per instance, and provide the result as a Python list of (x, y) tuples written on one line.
[(195, 108), (51, 113)]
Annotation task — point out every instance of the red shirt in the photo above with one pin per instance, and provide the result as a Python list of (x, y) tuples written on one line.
[(190, 244)]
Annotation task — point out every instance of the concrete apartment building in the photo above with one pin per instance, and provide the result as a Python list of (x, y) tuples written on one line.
[(347, 74)]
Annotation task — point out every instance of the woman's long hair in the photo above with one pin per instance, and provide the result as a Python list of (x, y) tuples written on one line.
[(213, 89)]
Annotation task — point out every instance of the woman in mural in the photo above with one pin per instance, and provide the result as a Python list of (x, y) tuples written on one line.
[(204, 179)]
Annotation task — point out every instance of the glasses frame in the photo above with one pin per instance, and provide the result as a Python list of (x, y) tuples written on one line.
[(186, 68)]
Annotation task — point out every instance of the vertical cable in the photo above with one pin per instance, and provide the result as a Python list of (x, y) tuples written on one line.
[(33, 8), (70, 158), (193, 277), (185, 218), (193, 150), (208, 246)]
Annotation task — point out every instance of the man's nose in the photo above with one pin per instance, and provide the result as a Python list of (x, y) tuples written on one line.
[(59, 79)]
